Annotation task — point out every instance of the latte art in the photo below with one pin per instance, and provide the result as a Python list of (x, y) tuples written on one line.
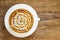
[(21, 21)]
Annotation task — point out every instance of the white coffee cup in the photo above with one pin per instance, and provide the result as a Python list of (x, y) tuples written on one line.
[(19, 6)]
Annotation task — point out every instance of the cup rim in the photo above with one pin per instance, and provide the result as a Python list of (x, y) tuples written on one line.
[(18, 6)]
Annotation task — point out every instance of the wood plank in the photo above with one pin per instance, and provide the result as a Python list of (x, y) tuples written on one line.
[(49, 25)]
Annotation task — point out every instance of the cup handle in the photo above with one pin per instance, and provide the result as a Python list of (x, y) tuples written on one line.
[(38, 19)]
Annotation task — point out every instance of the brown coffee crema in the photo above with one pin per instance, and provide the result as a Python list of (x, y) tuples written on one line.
[(21, 21)]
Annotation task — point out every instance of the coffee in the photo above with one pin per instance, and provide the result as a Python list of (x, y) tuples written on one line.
[(21, 20)]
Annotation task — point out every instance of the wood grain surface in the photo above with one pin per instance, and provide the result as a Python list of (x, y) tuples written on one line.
[(47, 10)]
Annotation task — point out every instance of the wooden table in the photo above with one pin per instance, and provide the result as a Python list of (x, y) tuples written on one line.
[(47, 10)]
